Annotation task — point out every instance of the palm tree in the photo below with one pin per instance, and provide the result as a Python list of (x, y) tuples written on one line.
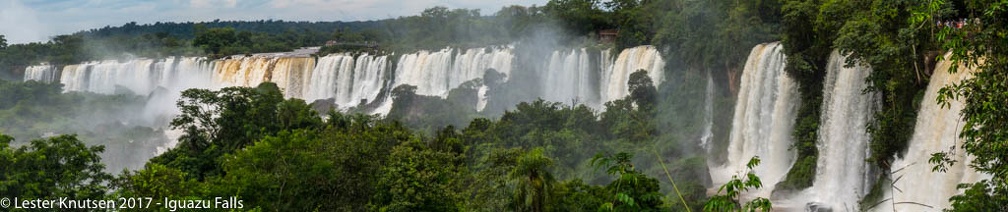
[(533, 180)]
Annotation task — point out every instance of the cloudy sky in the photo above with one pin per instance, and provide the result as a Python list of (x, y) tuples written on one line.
[(37, 20)]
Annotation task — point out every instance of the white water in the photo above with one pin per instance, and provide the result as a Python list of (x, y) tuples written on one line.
[(937, 129), (41, 73), (705, 138), (630, 60), (763, 121), (842, 175), (140, 76), (572, 76), (436, 73), (346, 79)]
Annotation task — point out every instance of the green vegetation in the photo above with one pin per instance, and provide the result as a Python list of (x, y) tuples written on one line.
[(56, 167), (981, 44), (729, 201)]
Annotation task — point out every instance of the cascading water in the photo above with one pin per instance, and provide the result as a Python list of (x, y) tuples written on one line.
[(140, 76), (630, 60), (842, 175), (569, 77), (341, 77), (436, 73), (573, 76), (937, 130), (708, 131), (41, 73), (763, 121)]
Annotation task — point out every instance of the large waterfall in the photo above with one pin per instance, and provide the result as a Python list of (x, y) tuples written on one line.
[(763, 121), (140, 76), (578, 75), (630, 60), (937, 129), (842, 175), (436, 73), (346, 79), (572, 75), (41, 73)]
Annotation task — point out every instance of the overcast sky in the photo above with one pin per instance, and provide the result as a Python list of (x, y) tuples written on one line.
[(25, 21)]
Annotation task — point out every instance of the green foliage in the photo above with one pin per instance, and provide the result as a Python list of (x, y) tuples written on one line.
[(430, 112), (708, 34), (219, 122), (980, 45), (632, 190), (51, 168), (156, 181), (729, 201), (533, 181)]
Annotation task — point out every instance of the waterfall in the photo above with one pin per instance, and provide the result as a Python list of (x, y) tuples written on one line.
[(347, 80), (937, 129), (763, 121), (630, 60), (842, 176), (42, 73), (573, 76), (436, 73), (291, 74), (708, 133), (140, 76), (243, 71), (569, 77)]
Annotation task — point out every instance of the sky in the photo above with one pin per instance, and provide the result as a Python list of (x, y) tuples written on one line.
[(23, 21)]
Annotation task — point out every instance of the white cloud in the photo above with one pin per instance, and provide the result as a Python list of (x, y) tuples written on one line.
[(213, 3), (19, 24)]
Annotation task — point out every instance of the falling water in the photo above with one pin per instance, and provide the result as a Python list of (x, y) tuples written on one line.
[(764, 117), (436, 73), (569, 77), (630, 60), (937, 130), (347, 80), (842, 177), (573, 76), (708, 115), (42, 73)]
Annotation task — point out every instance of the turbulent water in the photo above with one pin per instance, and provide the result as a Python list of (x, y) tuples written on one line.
[(763, 121), (842, 175), (937, 129)]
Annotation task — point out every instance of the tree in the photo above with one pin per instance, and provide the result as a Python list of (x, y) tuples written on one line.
[(533, 181), (215, 123), (3, 42), (632, 190), (419, 178), (980, 44), (729, 201), (642, 90), (215, 39), (51, 168)]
